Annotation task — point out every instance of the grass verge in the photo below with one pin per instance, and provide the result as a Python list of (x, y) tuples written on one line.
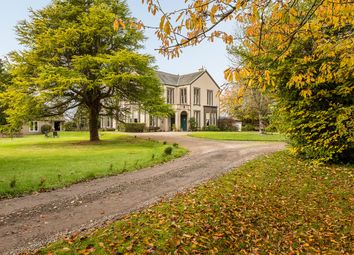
[(274, 205), (36, 163), (239, 136)]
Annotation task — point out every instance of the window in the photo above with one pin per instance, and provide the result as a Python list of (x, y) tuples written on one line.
[(213, 118), (153, 121), (197, 117), (33, 127), (183, 96), (109, 123), (196, 98), (209, 97), (170, 96), (207, 119)]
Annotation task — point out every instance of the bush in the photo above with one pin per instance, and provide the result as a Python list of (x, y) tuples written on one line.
[(211, 128), (168, 150), (109, 129), (193, 124), (134, 127), (271, 129), (154, 129), (70, 126), (46, 128), (248, 127), (227, 124)]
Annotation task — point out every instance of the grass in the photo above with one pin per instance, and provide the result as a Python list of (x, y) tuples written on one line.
[(274, 205), (36, 163), (239, 136)]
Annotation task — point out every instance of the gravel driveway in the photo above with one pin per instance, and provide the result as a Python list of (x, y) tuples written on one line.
[(32, 221)]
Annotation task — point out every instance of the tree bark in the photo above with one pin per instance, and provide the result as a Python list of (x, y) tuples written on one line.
[(94, 111), (261, 124)]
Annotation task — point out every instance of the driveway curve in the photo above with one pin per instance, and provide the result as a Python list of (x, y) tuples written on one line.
[(29, 222)]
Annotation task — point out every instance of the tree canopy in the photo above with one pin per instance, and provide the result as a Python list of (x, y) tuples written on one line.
[(4, 79), (248, 105), (74, 57), (301, 51)]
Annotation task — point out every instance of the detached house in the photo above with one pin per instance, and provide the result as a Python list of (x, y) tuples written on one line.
[(191, 95)]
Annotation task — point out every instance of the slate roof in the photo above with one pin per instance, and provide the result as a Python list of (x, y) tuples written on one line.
[(178, 80)]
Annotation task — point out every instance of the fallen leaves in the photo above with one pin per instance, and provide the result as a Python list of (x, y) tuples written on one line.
[(275, 205)]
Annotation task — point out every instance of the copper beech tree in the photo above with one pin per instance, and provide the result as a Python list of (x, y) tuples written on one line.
[(301, 51)]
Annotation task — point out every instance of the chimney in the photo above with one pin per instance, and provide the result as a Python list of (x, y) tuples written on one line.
[(201, 69)]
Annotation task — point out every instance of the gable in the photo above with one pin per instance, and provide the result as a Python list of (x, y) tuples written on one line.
[(208, 76)]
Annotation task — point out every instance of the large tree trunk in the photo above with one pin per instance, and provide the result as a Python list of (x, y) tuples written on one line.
[(93, 123)]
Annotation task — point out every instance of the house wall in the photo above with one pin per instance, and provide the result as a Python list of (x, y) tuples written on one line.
[(205, 83), (26, 128)]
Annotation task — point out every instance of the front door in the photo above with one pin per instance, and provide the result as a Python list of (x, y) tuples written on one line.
[(56, 125), (183, 121)]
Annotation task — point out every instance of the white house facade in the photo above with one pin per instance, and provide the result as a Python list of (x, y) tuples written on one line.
[(34, 127), (190, 95)]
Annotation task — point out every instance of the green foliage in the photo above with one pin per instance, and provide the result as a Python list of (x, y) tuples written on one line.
[(311, 76), (70, 126), (320, 122), (134, 127), (46, 128), (81, 118), (75, 58), (5, 79), (250, 105), (273, 205), (227, 124), (109, 129), (211, 128), (70, 159), (193, 124), (248, 127), (168, 150)]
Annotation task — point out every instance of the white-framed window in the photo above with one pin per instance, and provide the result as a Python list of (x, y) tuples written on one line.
[(197, 117), (209, 97), (196, 97), (170, 95), (183, 95), (213, 118), (33, 126), (153, 122), (109, 122)]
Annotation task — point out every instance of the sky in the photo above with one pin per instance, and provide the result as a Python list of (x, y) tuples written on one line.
[(211, 56)]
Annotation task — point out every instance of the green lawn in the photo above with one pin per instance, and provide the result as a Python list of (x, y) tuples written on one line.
[(37, 163), (239, 136), (274, 205)]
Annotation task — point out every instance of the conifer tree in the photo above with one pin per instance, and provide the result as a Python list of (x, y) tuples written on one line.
[(73, 57)]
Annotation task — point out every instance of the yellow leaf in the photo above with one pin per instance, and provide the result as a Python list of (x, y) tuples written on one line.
[(122, 23), (162, 22), (115, 25), (167, 28), (179, 16)]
